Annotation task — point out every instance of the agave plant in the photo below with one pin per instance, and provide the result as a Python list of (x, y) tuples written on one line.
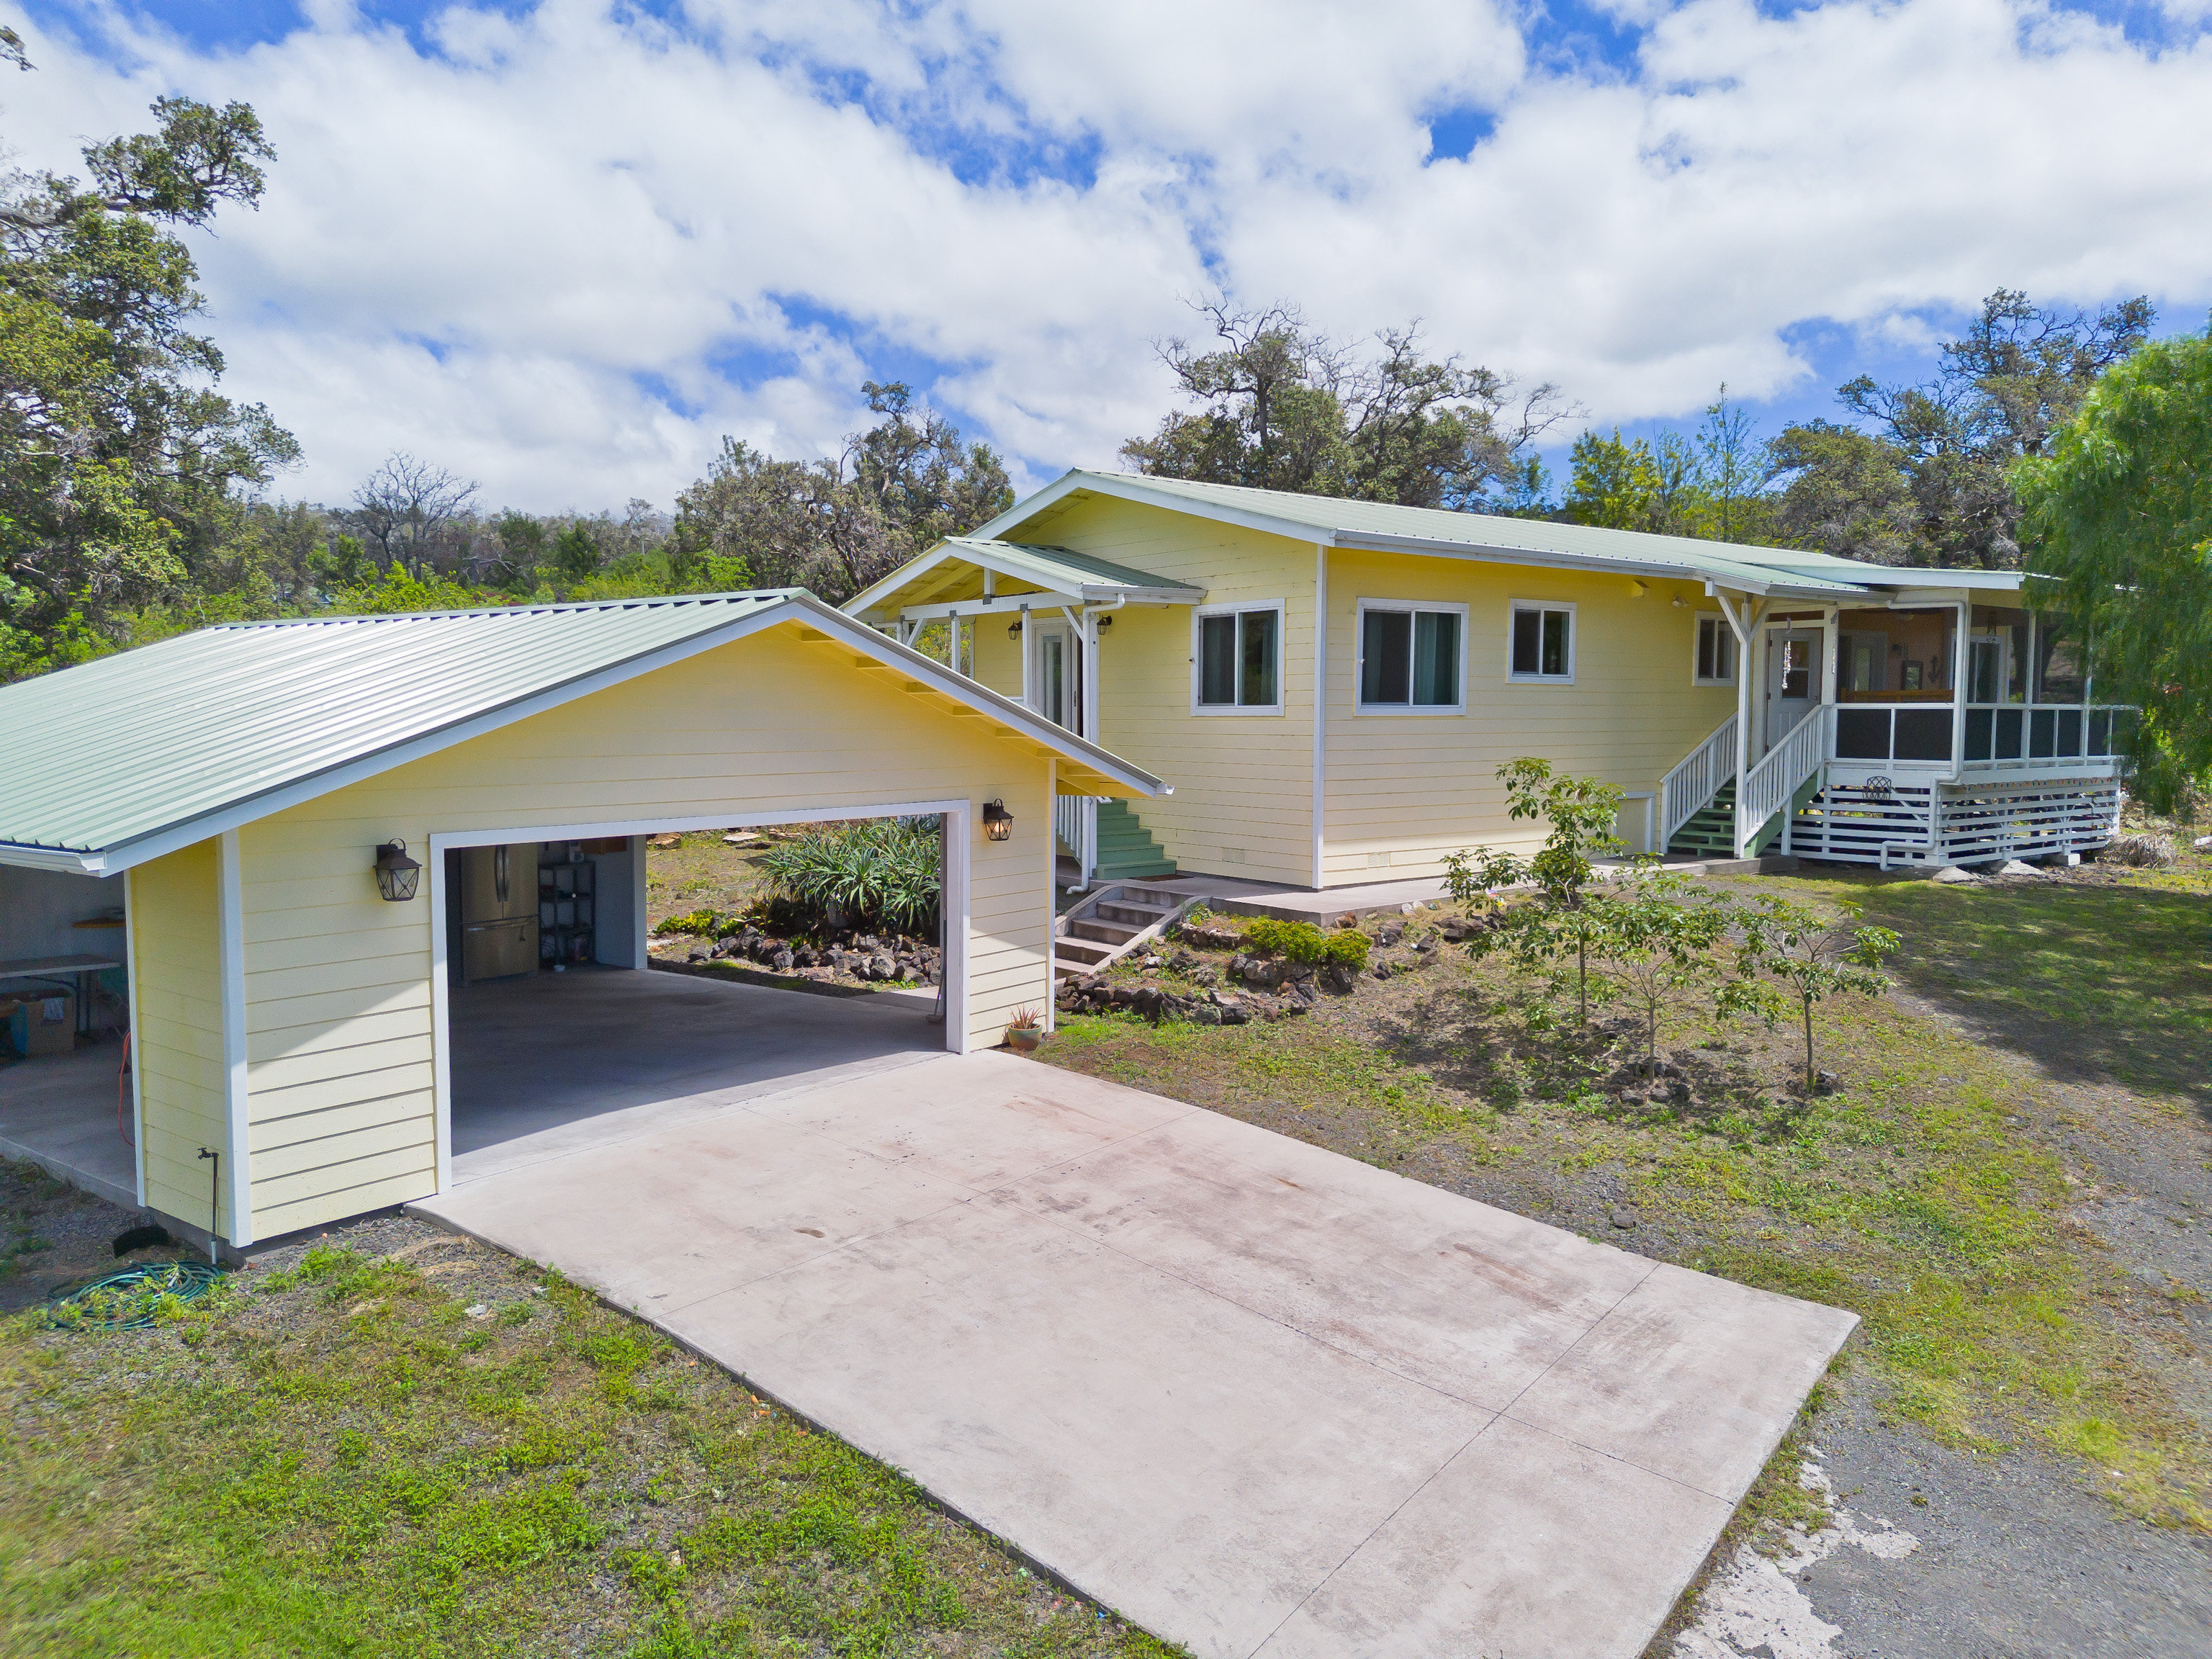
[(884, 871)]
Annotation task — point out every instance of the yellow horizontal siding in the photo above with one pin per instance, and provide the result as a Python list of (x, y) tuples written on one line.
[(176, 970), (339, 1033), (1419, 787), (1243, 783)]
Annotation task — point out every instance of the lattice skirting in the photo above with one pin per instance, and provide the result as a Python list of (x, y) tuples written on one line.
[(1971, 824)]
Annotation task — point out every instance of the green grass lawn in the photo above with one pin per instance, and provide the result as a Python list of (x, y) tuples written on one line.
[(340, 1459), (1928, 1193)]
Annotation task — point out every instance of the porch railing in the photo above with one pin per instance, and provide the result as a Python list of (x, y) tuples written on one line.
[(1075, 822), (1782, 771), (1691, 786), (1685, 792)]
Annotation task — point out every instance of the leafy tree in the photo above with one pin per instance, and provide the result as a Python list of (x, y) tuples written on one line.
[(1788, 952), (2002, 391), (1844, 492), (1656, 937), (838, 525), (522, 546), (2119, 519), (1709, 484), (344, 562), (400, 591), (1559, 921), (1280, 406), (113, 443), (576, 552)]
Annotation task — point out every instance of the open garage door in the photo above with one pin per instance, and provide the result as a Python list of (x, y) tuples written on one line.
[(565, 1022)]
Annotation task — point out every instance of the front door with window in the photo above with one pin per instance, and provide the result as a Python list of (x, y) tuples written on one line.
[(1793, 681), (1056, 672)]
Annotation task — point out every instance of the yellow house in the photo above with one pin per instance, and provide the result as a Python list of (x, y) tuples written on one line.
[(1333, 683), (258, 793)]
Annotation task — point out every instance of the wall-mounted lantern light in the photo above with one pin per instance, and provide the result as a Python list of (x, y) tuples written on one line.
[(1014, 628), (396, 873), (997, 822)]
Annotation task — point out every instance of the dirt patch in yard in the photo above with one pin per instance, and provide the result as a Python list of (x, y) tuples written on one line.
[(392, 1440)]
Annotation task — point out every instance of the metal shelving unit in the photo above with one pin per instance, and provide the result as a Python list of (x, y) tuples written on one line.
[(566, 904)]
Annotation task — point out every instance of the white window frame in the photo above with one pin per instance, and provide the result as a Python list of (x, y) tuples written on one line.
[(1513, 609), (1199, 613), (1734, 647), (1411, 607)]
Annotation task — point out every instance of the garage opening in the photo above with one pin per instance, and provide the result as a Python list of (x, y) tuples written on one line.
[(600, 984)]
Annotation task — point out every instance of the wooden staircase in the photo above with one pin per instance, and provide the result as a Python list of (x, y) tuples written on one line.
[(1711, 831), (1126, 851), (1110, 922)]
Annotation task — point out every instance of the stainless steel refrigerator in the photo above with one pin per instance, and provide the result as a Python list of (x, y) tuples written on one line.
[(499, 911)]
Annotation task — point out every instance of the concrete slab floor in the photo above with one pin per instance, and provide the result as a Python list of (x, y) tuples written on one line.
[(58, 1112), (1262, 1399), (547, 1064)]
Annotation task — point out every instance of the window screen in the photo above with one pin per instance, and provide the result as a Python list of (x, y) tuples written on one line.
[(1237, 666)]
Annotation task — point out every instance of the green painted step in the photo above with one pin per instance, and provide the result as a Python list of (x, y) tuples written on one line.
[(1126, 851), (1711, 831)]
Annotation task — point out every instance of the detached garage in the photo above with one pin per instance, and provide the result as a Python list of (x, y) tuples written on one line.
[(283, 801)]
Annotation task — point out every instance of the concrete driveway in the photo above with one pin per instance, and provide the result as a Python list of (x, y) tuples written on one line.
[(1260, 1398)]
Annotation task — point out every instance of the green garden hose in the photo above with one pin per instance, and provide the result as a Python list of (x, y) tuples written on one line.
[(132, 1299)]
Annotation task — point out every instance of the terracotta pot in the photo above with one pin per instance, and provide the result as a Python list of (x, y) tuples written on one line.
[(1023, 1039)]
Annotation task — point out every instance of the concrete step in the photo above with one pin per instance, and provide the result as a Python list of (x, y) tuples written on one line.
[(1107, 933), (1085, 951), (1136, 915)]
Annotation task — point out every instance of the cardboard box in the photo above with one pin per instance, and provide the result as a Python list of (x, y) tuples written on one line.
[(41, 1025)]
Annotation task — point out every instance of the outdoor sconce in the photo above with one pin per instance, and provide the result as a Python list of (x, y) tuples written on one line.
[(997, 822), (396, 873), (1014, 629)]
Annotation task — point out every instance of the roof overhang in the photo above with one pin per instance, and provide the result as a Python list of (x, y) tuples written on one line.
[(1086, 768), (1053, 582)]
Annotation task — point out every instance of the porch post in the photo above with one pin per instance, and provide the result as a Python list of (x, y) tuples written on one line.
[(1093, 727), (1320, 710), (1962, 660)]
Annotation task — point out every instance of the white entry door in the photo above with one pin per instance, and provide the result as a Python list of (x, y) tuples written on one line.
[(1056, 672), (1793, 681)]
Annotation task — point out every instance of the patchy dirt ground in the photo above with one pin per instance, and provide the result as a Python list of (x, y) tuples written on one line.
[(2012, 1185)]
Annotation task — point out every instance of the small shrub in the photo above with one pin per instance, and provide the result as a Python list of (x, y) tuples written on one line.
[(1348, 949), (702, 922), (884, 872), (1294, 941), (2145, 849)]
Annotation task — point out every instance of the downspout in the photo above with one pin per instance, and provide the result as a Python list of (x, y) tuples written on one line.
[(1320, 707)]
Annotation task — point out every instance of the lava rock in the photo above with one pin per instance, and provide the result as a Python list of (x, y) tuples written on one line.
[(782, 961), (1337, 976), (1624, 1219)]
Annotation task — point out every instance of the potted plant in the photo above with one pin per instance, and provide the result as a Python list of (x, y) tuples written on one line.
[(1025, 1030)]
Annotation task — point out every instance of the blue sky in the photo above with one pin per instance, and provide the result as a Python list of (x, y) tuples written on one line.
[(563, 247)]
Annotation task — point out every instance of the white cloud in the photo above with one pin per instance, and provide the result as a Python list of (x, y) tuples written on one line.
[(567, 251)]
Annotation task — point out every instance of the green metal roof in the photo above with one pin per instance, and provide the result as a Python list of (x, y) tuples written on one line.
[(122, 759), (1384, 525)]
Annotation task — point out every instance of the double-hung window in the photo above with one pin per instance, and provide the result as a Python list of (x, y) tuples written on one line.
[(1411, 658), (1715, 663), (1236, 661), (1542, 646)]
